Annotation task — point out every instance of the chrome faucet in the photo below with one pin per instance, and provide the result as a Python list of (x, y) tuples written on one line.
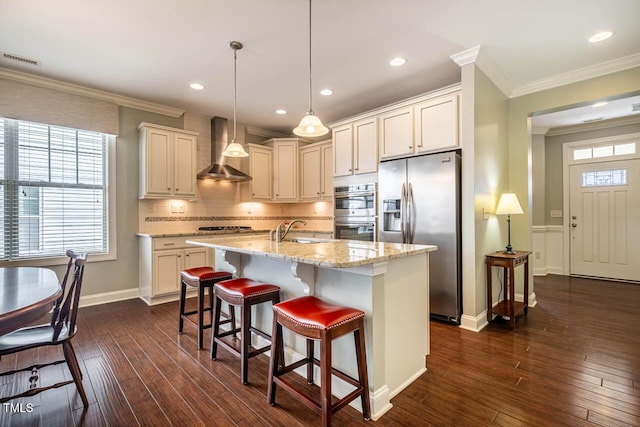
[(279, 234)]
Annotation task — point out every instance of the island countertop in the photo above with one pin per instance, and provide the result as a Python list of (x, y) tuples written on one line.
[(329, 253)]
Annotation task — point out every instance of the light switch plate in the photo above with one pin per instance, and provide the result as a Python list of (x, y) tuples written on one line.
[(555, 213), (177, 207)]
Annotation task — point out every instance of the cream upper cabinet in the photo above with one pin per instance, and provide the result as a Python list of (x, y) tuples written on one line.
[(285, 168), (396, 133), (365, 146), (326, 177), (167, 162), (261, 172), (343, 150), (355, 147), (316, 172), (436, 124)]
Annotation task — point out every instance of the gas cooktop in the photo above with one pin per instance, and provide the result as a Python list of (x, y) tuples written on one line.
[(226, 228)]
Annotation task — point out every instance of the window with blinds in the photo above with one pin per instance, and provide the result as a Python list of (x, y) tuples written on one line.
[(53, 190)]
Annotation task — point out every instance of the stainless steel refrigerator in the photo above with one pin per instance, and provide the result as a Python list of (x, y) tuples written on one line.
[(419, 202)]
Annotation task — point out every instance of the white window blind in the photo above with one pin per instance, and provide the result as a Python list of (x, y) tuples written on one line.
[(54, 190)]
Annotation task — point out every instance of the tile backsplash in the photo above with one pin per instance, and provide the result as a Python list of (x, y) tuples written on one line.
[(219, 203)]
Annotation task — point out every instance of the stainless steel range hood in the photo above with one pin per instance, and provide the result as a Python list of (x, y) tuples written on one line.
[(217, 170)]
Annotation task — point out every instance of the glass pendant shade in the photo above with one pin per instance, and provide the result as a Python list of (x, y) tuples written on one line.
[(234, 150), (310, 126)]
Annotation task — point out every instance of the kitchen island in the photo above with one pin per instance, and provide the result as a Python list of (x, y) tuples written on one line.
[(388, 281)]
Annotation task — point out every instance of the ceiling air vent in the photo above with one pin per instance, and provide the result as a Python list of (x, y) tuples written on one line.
[(20, 59), (635, 107)]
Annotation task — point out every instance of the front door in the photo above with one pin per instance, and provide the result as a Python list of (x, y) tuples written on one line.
[(604, 224)]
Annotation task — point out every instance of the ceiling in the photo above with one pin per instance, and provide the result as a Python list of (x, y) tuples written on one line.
[(152, 50)]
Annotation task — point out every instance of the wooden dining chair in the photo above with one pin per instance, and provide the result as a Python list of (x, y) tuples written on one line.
[(57, 332)]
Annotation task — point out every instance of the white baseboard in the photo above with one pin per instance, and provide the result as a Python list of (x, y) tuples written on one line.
[(475, 324), (107, 297), (548, 249)]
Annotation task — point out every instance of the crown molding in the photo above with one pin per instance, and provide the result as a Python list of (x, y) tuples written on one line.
[(466, 57), (74, 89), (264, 133), (539, 131), (590, 72), (484, 62), (586, 127)]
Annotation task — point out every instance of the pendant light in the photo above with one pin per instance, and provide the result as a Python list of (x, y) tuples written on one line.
[(234, 149), (310, 125)]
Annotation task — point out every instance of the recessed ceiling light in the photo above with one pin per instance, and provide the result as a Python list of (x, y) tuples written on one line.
[(600, 104), (396, 62), (196, 86), (602, 35), (281, 112), (326, 92)]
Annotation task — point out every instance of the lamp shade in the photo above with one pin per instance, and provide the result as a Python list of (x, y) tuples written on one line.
[(234, 150), (508, 205), (310, 126)]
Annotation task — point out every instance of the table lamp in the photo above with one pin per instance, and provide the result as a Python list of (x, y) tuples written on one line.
[(508, 205)]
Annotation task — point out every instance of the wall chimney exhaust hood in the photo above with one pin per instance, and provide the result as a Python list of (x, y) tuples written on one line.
[(217, 170)]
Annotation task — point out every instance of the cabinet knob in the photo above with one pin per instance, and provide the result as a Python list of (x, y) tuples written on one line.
[(410, 147), (253, 194), (350, 170), (420, 145), (177, 189), (357, 169), (277, 195), (169, 188), (318, 192)]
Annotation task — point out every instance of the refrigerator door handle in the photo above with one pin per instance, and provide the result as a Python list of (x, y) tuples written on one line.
[(409, 217), (403, 213)]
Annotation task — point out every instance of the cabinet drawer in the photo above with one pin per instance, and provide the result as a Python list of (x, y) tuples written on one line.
[(170, 243)]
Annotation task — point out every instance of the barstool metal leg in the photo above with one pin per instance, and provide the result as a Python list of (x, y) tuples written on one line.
[(215, 327), (183, 296), (245, 344), (200, 316), (325, 378)]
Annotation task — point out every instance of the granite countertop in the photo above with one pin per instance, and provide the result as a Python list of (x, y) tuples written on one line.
[(319, 252), (222, 233)]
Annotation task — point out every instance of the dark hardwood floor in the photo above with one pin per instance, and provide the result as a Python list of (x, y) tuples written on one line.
[(573, 361)]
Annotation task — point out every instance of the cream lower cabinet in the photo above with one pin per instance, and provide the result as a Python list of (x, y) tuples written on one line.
[(316, 171), (161, 261)]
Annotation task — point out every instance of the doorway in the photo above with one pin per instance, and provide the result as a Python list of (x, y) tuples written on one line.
[(603, 224)]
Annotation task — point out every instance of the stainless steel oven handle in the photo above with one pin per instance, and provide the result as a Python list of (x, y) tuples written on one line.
[(409, 218), (349, 195), (356, 224)]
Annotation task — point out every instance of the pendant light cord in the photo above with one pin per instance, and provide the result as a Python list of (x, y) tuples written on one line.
[(310, 96), (235, 90)]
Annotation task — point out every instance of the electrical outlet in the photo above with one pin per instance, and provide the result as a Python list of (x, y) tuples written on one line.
[(538, 256), (177, 207), (555, 213)]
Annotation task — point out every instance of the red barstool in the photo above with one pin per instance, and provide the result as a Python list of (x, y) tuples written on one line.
[(315, 319), (201, 278), (245, 293)]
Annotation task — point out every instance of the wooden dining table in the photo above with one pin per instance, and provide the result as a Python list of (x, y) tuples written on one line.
[(26, 294)]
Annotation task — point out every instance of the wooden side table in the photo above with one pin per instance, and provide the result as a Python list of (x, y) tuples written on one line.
[(508, 306)]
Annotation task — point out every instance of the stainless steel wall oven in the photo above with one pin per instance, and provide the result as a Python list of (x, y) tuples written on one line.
[(355, 212)]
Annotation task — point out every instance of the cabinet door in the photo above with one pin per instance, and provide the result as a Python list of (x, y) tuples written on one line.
[(343, 150), (184, 172), (326, 175), (365, 146), (437, 124), (197, 257), (166, 271), (261, 170), (310, 173), (159, 165), (396, 133), (286, 170)]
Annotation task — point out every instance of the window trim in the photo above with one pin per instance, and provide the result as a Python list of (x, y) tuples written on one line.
[(111, 226)]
